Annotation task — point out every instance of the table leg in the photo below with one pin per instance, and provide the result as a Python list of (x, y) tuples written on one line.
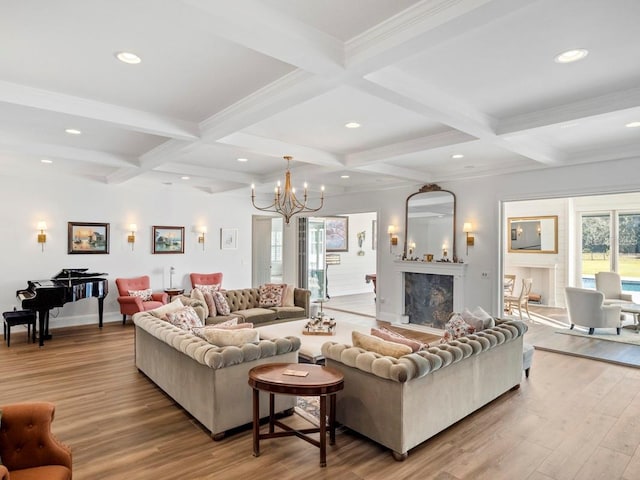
[(332, 419), (256, 422), (271, 414), (323, 430)]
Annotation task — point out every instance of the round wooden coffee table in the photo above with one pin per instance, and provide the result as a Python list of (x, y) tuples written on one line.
[(296, 379)]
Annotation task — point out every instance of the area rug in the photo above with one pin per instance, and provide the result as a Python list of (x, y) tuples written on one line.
[(628, 334), (309, 409)]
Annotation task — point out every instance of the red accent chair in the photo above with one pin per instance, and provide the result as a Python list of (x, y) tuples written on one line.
[(129, 304), (27, 447), (206, 279)]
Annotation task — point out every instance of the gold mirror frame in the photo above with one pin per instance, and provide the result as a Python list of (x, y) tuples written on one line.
[(431, 187), (529, 228)]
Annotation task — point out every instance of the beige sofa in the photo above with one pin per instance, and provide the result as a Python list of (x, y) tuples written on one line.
[(245, 305), (402, 402), (208, 381)]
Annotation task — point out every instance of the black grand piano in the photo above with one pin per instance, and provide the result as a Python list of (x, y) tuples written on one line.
[(69, 285)]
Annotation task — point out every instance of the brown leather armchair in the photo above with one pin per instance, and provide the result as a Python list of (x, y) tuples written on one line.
[(206, 279), (27, 447), (130, 304)]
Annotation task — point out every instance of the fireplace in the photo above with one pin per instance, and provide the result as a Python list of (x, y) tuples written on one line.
[(428, 298)]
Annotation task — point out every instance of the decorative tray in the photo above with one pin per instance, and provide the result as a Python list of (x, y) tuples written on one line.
[(320, 326)]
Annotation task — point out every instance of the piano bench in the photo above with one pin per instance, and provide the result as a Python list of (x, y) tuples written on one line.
[(19, 317)]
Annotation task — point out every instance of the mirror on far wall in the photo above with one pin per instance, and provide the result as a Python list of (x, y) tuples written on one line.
[(430, 224), (533, 234)]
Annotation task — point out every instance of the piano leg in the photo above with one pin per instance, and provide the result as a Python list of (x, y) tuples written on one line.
[(100, 310)]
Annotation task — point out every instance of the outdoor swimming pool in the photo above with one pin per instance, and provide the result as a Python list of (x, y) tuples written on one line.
[(627, 285)]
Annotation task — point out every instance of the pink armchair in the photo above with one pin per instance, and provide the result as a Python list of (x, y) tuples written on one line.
[(130, 304), (206, 279), (27, 447)]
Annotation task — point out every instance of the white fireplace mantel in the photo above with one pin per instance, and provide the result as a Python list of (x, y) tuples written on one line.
[(456, 270)]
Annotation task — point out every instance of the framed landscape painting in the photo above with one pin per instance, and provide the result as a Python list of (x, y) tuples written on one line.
[(87, 238), (337, 229), (168, 239)]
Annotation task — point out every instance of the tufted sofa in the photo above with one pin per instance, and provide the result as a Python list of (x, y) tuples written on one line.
[(402, 402), (208, 381), (245, 304)]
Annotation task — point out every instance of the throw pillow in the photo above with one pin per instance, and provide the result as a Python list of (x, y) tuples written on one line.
[(227, 323), (233, 327), (186, 318), (378, 345), (144, 295), (200, 331), (487, 320), (161, 312), (222, 306), (456, 327), (208, 299), (287, 296), (391, 336), (207, 288), (226, 338), (196, 294), (271, 295)]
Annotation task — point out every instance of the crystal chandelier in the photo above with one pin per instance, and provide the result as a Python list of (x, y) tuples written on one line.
[(285, 201)]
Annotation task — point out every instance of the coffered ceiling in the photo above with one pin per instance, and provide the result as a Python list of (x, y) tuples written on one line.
[(228, 79)]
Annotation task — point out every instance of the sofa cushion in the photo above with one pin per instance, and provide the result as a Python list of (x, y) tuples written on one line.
[(211, 304), (287, 296), (222, 306), (144, 295), (377, 345), (161, 312), (185, 318), (258, 315), (391, 336), (288, 312), (271, 295), (226, 338)]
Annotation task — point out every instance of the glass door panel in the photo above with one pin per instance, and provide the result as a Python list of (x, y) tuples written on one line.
[(316, 246), (629, 246), (596, 246)]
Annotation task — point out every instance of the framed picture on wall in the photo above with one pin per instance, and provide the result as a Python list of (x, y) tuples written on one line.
[(168, 239), (228, 238), (87, 238), (337, 234)]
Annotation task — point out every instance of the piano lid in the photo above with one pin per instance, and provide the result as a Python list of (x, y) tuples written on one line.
[(67, 273)]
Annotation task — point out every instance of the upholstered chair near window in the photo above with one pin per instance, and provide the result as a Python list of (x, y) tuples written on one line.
[(135, 295), (521, 300), (586, 308), (28, 449), (610, 285), (206, 279)]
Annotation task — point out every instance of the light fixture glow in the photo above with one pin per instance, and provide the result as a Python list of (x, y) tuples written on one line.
[(570, 56), (243, 159), (285, 201), (46, 160), (344, 176), (131, 238), (393, 238), (352, 125), (185, 177), (128, 57), (42, 236), (633, 125), (467, 228), (202, 231), (457, 155), (73, 131)]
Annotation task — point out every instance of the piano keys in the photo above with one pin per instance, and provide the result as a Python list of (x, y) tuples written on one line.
[(69, 285)]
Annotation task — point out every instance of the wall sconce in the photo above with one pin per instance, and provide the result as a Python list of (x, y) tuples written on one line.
[(412, 247), (393, 238), (471, 240), (202, 230), (444, 250), (42, 237), (132, 237)]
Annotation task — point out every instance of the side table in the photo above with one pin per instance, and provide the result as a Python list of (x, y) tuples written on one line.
[(308, 380), (173, 292)]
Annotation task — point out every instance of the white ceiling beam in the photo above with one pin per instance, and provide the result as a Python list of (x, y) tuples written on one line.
[(605, 104), (205, 172), (127, 118), (60, 152), (273, 34), (278, 148), (397, 172)]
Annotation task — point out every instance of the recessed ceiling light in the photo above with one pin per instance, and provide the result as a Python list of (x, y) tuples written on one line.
[(632, 125), (243, 159), (344, 176), (352, 125), (571, 55), (46, 160), (128, 57), (73, 131), (185, 178), (457, 155)]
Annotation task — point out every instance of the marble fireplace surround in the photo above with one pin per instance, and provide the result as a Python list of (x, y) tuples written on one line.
[(455, 270)]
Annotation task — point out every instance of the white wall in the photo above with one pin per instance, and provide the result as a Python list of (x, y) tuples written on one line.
[(59, 201)]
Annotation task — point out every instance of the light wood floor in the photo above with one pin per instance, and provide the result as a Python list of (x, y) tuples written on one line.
[(572, 419)]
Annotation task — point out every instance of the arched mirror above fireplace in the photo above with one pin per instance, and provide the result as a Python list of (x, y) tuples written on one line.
[(430, 224)]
